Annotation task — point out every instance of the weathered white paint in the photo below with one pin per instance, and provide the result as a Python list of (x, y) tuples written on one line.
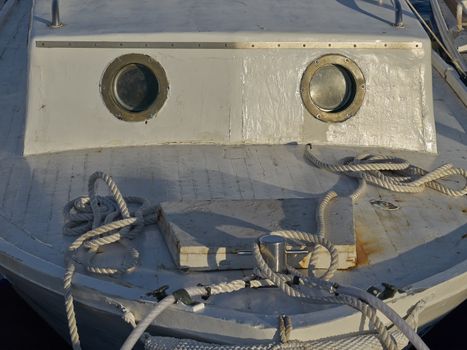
[(228, 96), (420, 247), (215, 235)]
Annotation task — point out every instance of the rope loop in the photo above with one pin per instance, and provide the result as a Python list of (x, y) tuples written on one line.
[(98, 221), (394, 174), (102, 220), (318, 289), (285, 328)]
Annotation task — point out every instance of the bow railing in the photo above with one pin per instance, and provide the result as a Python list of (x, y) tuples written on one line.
[(399, 21), (55, 23)]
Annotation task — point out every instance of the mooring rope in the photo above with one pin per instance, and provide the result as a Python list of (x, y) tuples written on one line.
[(394, 174), (99, 221), (336, 294), (102, 220)]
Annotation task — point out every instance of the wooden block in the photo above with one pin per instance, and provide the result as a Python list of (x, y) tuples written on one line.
[(212, 235)]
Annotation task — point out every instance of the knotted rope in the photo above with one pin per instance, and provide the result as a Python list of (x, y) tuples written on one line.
[(381, 337), (394, 174), (100, 221), (113, 222), (316, 285), (285, 328)]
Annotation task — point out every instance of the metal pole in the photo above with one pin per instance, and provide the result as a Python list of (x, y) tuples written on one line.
[(55, 16), (399, 22), (459, 16), (273, 251)]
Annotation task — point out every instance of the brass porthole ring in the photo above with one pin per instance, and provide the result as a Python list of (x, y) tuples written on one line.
[(134, 87), (333, 88)]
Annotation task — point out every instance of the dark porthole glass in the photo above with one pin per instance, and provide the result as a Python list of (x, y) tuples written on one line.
[(136, 87)]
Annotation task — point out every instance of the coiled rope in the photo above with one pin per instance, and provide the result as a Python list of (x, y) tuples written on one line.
[(100, 221)]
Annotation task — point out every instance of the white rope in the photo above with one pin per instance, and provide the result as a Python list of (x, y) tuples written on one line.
[(285, 328), (127, 315), (113, 222), (319, 283), (216, 289), (283, 282), (402, 177), (392, 173), (100, 221), (367, 340)]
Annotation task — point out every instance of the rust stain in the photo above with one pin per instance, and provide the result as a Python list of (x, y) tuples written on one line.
[(464, 210), (365, 246), (304, 263), (362, 256)]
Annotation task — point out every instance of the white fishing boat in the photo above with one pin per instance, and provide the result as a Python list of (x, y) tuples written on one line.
[(451, 19), (269, 155)]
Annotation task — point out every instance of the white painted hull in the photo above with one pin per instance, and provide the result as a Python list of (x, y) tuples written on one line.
[(451, 36)]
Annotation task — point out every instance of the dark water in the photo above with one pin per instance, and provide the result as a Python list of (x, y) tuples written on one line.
[(22, 328)]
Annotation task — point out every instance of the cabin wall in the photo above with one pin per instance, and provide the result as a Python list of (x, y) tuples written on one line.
[(228, 96)]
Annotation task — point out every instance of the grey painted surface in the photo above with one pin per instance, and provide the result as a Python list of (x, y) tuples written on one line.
[(34, 189), (230, 96), (420, 241), (225, 20), (5, 7), (209, 235)]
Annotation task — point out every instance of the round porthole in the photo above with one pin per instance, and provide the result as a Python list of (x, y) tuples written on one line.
[(333, 88), (134, 87)]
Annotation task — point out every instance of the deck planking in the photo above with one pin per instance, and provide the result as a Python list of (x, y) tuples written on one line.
[(33, 190)]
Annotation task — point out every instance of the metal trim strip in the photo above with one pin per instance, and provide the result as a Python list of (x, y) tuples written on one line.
[(228, 45)]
